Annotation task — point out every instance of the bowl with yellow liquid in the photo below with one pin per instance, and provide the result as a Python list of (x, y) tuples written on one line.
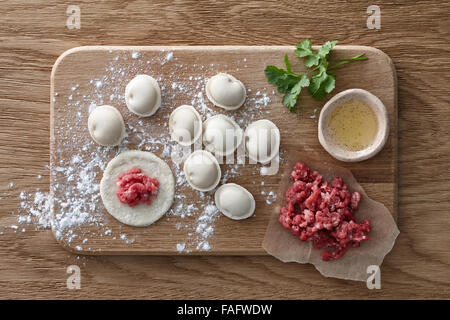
[(353, 125)]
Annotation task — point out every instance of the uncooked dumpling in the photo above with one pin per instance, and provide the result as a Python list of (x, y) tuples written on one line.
[(143, 95), (202, 170), (221, 135), (106, 126), (225, 91), (262, 140), (185, 125), (234, 201), (141, 214)]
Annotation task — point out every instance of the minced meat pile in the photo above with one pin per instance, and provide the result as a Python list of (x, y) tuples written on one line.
[(322, 212), (136, 187)]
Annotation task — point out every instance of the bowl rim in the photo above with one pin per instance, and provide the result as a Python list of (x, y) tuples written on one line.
[(383, 126)]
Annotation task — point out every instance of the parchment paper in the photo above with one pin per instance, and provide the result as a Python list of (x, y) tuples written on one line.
[(280, 243)]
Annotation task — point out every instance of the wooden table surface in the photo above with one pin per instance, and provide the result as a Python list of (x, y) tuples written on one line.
[(415, 34)]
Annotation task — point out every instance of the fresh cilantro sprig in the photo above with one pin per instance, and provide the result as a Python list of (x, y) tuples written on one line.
[(319, 80)]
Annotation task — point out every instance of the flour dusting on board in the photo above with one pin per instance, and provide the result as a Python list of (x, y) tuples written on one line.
[(74, 195)]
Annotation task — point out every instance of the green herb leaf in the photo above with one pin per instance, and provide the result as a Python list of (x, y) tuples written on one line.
[(281, 78), (304, 48), (287, 63), (322, 80), (291, 97), (322, 84), (326, 48), (273, 74), (312, 60)]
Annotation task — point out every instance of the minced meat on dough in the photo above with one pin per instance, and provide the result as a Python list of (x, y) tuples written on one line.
[(136, 187), (322, 212)]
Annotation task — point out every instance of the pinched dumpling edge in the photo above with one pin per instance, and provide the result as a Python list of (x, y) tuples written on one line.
[(197, 135), (240, 135), (241, 188), (215, 102)]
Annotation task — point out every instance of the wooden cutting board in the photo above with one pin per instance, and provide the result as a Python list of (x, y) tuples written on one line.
[(87, 76)]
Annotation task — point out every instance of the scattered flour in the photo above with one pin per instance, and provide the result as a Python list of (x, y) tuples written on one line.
[(135, 54), (181, 246), (36, 209)]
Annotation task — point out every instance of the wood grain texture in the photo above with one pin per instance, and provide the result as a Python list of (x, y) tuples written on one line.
[(69, 135), (415, 34)]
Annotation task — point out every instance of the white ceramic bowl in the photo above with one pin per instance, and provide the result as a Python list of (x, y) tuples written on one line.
[(383, 126)]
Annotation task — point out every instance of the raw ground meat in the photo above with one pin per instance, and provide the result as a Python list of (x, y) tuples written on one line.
[(136, 187), (322, 212)]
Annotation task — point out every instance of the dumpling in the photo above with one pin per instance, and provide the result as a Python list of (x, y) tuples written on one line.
[(185, 125), (106, 126), (262, 140), (143, 95), (150, 165), (221, 135), (225, 91), (202, 170), (234, 201)]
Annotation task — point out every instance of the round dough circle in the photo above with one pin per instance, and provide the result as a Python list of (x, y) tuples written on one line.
[(142, 214), (225, 91), (143, 95), (106, 126)]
